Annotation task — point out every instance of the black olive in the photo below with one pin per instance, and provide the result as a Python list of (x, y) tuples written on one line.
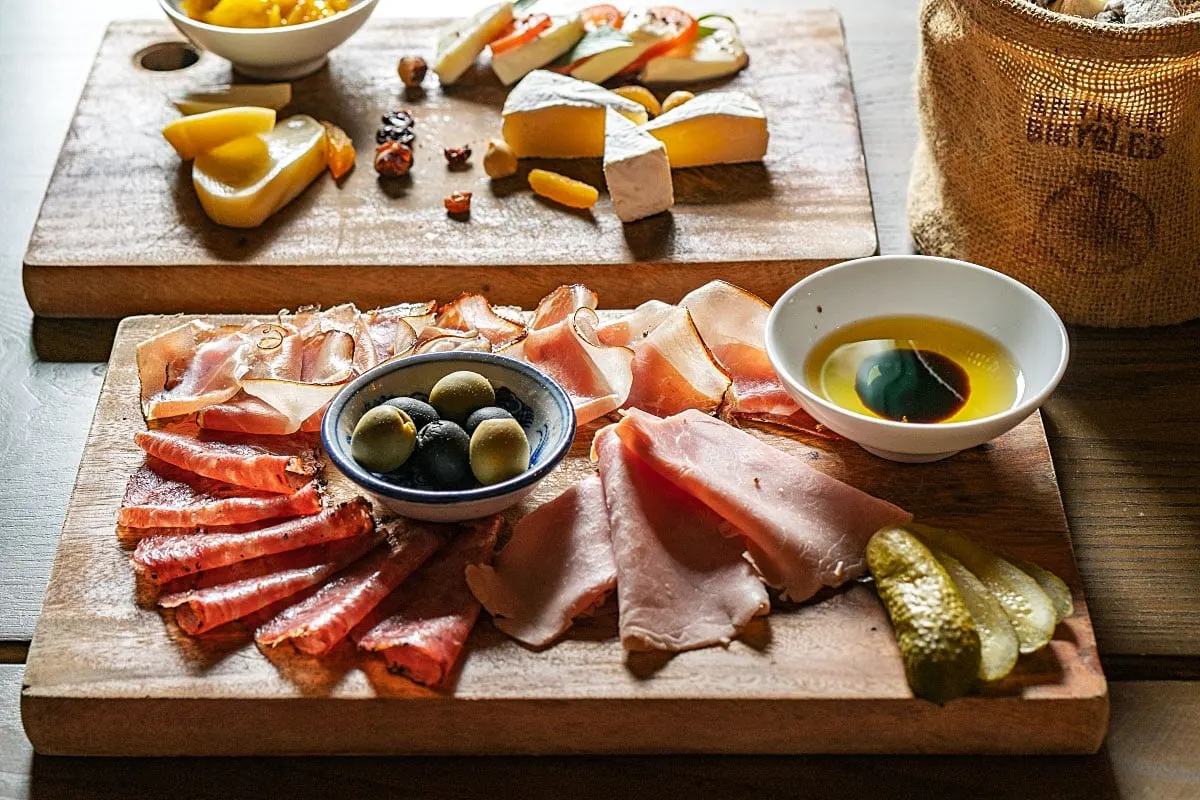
[(419, 411), (487, 412), (444, 455)]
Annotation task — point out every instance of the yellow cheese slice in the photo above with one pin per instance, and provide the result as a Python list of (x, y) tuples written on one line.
[(548, 115), (191, 136), (713, 128)]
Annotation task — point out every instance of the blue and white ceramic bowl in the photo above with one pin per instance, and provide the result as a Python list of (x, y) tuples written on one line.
[(550, 434)]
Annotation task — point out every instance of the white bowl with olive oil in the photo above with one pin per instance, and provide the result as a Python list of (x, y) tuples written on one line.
[(916, 358)]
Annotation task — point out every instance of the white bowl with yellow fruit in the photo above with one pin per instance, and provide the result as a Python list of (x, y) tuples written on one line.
[(282, 40)]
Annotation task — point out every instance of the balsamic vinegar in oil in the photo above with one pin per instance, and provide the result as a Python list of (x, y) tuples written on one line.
[(914, 369)]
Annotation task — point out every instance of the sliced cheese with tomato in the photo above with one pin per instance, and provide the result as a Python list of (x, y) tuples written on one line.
[(717, 55), (636, 170), (713, 128), (548, 115), (513, 63), (461, 43), (644, 33)]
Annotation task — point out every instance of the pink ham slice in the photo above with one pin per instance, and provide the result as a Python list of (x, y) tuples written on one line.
[(562, 303), (316, 625), (681, 583), (636, 325), (473, 312), (803, 528), (163, 495), (280, 464), (237, 591), (421, 628), (673, 370), (557, 566), (165, 558)]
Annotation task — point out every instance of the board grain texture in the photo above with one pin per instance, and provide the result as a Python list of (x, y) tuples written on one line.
[(121, 231), (107, 677)]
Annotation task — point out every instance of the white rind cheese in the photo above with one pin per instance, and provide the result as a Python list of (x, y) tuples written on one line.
[(636, 170), (713, 128), (718, 55), (548, 115), (512, 65), (461, 43)]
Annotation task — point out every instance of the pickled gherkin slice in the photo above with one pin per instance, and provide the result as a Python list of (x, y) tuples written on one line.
[(998, 643), (1052, 585)]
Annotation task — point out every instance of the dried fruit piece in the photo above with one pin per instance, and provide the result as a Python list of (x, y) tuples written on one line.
[(398, 119), (412, 70), (676, 99), (499, 160), (642, 96), (458, 204), (389, 134), (393, 159), (457, 157), (561, 189), (339, 150)]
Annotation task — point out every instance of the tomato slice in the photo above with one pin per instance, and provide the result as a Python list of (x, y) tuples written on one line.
[(677, 28), (520, 32), (598, 16)]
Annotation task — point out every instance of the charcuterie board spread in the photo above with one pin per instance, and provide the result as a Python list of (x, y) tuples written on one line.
[(122, 231), (174, 634)]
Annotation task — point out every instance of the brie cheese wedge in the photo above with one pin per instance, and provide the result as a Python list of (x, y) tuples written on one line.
[(713, 128), (460, 44), (512, 65), (636, 170), (548, 115), (718, 55)]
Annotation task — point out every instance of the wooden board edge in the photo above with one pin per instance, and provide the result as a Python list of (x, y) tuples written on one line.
[(862, 144)]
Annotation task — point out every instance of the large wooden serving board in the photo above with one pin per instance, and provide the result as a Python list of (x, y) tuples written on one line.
[(108, 677), (121, 231)]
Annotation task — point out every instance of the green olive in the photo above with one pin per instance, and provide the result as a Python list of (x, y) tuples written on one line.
[(383, 439), (458, 394), (499, 451)]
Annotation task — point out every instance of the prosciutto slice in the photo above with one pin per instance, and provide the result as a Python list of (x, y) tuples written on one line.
[(636, 325), (242, 589), (433, 339), (165, 558), (803, 528), (279, 464), (732, 322), (320, 622), (562, 303), (394, 329), (162, 495), (189, 367), (557, 566), (682, 584), (473, 312), (673, 370), (422, 627)]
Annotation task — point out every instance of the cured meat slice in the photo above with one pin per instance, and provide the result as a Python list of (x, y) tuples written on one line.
[(433, 339), (673, 370), (803, 528), (189, 367), (320, 622), (280, 464), (328, 358), (239, 590), (636, 325), (422, 627), (798, 420), (394, 329), (162, 495), (164, 558), (245, 414), (682, 584), (557, 566), (732, 322), (473, 312), (562, 303)]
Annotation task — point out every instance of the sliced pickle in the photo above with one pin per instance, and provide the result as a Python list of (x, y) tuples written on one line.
[(214, 98), (998, 643), (1056, 587)]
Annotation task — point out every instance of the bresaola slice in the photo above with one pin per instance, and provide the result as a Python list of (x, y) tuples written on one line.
[(681, 583), (803, 528), (280, 464), (557, 566), (161, 495)]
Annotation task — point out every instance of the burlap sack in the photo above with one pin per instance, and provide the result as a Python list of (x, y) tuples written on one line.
[(1065, 153)]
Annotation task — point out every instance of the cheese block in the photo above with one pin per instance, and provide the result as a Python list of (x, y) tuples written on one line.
[(512, 65), (636, 170), (713, 128), (644, 30), (196, 134), (461, 43), (718, 55), (295, 157), (548, 115)]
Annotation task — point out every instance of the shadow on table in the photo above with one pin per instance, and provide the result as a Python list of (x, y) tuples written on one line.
[(73, 339), (828, 778)]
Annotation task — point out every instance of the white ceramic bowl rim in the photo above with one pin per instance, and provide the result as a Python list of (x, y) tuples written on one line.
[(1020, 410), (358, 475), (173, 10)]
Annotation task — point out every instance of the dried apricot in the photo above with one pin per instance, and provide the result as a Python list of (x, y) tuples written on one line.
[(676, 99), (561, 189), (642, 95), (458, 204), (393, 159), (339, 150)]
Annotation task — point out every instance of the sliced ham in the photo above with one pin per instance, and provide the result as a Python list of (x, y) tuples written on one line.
[(803, 528), (242, 589), (673, 370), (280, 464), (636, 325), (681, 583), (433, 339), (557, 566), (473, 312), (562, 303), (732, 322), (394, 329), (165, 558), (189, 367), (316, 625), (798, 420), (163, 495), (422, 627)]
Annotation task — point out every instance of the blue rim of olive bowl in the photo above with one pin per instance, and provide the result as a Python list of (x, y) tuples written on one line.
[(369, 481)]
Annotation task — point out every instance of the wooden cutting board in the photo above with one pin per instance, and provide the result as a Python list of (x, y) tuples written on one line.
[(107, 677), (121, 231)]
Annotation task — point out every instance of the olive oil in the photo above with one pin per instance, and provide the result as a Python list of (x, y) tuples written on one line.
[(914, 369)]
